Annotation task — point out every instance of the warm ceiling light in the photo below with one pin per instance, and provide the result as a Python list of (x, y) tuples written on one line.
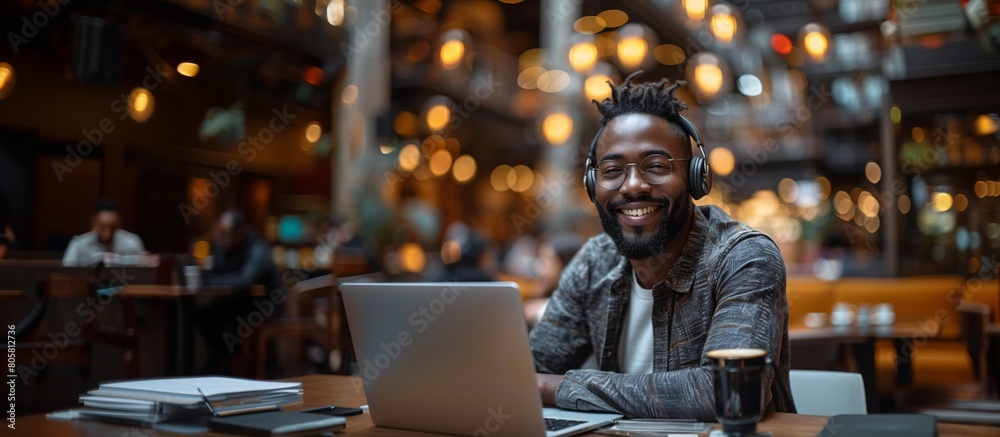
[(707, 73), (464, 169), (722, 161), (440, 162), (452, 52), (942, 201), (781, 44), (788, 190), (406, 124), (532, 58), (528, 78), (6, 79), (985, 124), (669, 54), (438, 117), (903, 204), (589, 25), (409, 157), (411, 257), (557, 128), (141, 104), (632, 51), (553, 81), (815, 41), (613, 17), (961, 202), (350, 94), (189, 69), (723, 23), (695, 9), (335, 12), (981, 189), (596, 87), (583, 56), (498, 179), (520, 178), (873, 172), (313, 132)]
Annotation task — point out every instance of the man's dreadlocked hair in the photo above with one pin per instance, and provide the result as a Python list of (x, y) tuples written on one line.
[(653, 98)]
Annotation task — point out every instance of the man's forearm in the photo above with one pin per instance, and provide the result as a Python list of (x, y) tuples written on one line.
[(547, 385)]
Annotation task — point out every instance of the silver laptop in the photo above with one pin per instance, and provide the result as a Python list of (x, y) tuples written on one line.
[(452, 358)]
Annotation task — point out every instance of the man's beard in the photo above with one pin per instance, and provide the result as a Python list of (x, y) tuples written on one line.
[(645, 246)]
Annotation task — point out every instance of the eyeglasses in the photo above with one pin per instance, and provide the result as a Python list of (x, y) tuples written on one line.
[(654, 169)]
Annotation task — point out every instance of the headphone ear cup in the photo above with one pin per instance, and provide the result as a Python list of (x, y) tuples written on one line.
[(698, 178), (590, 184)]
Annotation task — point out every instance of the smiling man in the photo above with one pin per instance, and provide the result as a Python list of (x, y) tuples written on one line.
[(666, 282)]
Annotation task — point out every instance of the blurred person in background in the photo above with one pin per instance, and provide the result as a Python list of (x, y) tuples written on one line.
[(106, 242), (554, 254), (468, 262), (241, 258)]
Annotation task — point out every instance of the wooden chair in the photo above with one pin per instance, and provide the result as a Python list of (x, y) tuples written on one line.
[(44, 326), (310, 313)]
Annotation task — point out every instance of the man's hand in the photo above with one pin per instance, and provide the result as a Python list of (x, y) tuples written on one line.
[(547, 385)]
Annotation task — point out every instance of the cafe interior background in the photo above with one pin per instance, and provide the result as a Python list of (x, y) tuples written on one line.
[(862, 136)]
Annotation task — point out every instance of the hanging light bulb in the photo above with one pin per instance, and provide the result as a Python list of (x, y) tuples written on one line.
[(6, 79), (723, 23), (557, 128), (437, 113), (695, 9), (708, 72), (453, 48), (634, 41), (816, 41), (583, 55), (595, 87)]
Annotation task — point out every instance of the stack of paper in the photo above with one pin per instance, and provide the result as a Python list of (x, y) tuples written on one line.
[(159, 400)]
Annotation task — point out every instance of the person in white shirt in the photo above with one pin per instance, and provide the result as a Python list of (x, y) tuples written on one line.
[(106, 242)]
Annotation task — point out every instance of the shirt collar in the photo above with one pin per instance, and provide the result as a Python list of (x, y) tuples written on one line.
[(681, 278)]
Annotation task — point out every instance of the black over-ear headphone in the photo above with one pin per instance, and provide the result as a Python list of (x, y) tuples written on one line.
[(699, 176)]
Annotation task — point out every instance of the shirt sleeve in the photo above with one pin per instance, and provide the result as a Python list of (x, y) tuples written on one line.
[(750, 312), (76, 256), (561, 339)]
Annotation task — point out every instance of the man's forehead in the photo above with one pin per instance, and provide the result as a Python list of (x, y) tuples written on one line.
[(641, 129)]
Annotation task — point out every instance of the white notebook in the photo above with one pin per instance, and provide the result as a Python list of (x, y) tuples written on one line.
[(185, 390)]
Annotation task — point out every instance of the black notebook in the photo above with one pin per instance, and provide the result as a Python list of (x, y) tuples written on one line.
[(276, 423), (881, 425)]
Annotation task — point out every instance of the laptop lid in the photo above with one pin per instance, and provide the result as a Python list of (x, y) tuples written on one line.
[(445, 357)]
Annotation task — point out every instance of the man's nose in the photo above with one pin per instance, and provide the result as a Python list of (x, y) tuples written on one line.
[(634, 182)]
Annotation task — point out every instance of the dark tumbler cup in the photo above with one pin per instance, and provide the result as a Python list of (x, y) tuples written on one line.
[(738, 376)]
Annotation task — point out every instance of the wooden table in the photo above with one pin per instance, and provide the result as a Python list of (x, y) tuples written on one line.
[(180, 333), (321, 390), (862, 341)]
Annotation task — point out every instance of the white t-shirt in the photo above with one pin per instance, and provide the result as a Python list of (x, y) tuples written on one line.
[(635, 347)]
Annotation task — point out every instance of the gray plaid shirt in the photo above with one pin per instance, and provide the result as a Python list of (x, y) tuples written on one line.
[(726, 290)]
